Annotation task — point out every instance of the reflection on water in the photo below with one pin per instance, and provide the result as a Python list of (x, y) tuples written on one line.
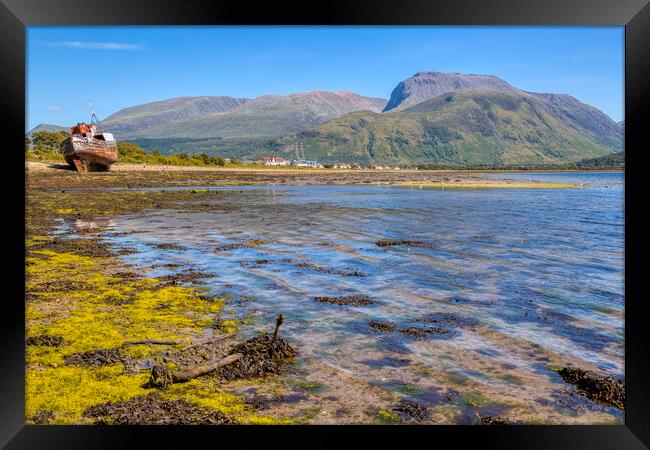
[(512, 279)]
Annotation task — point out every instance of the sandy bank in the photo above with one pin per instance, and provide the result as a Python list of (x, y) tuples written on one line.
[(142, 175)]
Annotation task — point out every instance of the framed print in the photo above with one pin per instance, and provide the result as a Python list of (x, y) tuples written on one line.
[(396, 220)]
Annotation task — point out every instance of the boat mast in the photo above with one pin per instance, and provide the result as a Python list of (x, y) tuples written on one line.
[(93, 117)]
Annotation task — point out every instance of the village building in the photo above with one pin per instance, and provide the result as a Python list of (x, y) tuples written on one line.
[(306, 163), (342, 166), (273, 161)]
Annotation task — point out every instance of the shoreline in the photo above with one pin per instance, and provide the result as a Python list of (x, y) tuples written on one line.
[(131, 176), (137, 167)]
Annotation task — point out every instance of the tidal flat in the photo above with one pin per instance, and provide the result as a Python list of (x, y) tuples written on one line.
[(418, 306)]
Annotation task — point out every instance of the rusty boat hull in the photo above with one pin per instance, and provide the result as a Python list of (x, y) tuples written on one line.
[(89, 153)]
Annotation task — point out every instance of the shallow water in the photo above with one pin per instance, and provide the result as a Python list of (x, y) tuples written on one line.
[(530, 278)]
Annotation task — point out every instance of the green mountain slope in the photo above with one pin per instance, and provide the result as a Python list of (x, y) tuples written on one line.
[(265, 116), (585, 118), (472, 126), (129, 122)]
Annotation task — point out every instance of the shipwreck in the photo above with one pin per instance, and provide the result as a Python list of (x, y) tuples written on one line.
[(88, 148)]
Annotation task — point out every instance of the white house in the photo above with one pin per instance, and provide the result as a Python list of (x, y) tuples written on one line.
[(273, 161), (307, 163)]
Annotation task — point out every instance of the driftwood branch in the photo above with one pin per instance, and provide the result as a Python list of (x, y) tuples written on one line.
[(279, 322), (196, 371), (219, 338), (161, 375)]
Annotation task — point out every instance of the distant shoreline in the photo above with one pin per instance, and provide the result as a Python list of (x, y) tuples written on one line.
[(136, 167), (155, 176)]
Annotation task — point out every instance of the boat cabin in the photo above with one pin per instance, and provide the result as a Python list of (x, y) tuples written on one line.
[(90, 131)]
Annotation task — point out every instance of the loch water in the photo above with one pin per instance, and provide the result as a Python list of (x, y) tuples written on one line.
[(500, 270)]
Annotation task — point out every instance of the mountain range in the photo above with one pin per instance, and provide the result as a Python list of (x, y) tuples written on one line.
[(431, 117), (469, 127), (265, 116)]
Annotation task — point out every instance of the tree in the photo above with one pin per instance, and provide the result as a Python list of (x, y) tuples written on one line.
[(50, 140), (130, 150), (234, 160), (217, 160)]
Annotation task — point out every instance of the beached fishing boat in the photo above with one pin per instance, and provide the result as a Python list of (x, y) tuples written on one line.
[(88, 148)]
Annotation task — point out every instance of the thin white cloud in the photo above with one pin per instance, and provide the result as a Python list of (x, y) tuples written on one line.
[(95, 45), (53, 108)]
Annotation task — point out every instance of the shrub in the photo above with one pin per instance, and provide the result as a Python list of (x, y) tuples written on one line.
[(48, 139)]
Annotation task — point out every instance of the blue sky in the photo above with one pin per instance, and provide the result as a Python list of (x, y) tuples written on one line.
[(116, 67)]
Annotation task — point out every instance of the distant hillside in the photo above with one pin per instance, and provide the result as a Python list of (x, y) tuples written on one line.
[(585, 118), (132, 121), (47, 127), (467, 127), (265, 116), (241, 148), (425, 85)]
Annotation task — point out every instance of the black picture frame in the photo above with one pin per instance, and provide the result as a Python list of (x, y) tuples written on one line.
[(16, 15)]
